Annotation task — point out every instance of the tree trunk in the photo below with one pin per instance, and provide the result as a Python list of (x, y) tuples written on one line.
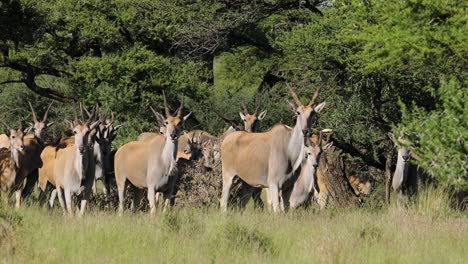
[(339, 191), (388, 174)]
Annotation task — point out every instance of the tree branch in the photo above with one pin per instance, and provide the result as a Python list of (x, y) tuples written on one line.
[(10, 81), (353, 151), (29, 80)]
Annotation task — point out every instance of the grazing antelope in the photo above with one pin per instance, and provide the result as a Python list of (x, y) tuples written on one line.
[(150, 164), (74, 166), (302, 188), (10, 161), (270, 158)]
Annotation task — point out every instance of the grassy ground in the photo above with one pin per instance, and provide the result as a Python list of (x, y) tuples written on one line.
[(426, 233)]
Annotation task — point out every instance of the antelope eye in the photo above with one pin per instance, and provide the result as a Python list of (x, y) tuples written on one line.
[(167, 123), (13, 137), (298, 113), (74, 132), (244, 120)]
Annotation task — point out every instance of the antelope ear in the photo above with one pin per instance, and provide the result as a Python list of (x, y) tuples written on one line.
[(242, 116), (328, 146), (319, 107), (292, 106), (186, 116), (391, 136), (50, 124), (262, 115), (7, 131)]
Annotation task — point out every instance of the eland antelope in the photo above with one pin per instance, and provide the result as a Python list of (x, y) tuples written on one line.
[(30, 157), (10, 161), (106, 133), (251, 121), (304, 186), (74, 166), (270, 158), (151, 164), (408, 176)]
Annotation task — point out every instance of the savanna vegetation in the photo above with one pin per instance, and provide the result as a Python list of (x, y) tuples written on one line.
[(382, 66)]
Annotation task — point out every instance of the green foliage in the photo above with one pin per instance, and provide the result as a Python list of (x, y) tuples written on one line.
[(439, 138), (366, 56)]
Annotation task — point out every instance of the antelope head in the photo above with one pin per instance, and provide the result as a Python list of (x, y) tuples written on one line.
[(171, 122), (304, 113), (39, 127), (251, 120), (314, 148), (81, 131), (403, 160), (106, 133), (15, 137)]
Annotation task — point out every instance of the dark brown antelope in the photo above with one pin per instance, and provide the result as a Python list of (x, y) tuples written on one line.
[(106, 133)]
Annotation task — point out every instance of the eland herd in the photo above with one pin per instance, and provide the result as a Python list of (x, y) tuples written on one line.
[(283, 160)]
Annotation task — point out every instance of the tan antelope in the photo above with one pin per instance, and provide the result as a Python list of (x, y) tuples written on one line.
[(251, 121), (34, 145), (187, 146), (46, 179), (252, 124), (150, 164), (303, 187), (74, 166), (10, 161), (270, 158), (30, 158)]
